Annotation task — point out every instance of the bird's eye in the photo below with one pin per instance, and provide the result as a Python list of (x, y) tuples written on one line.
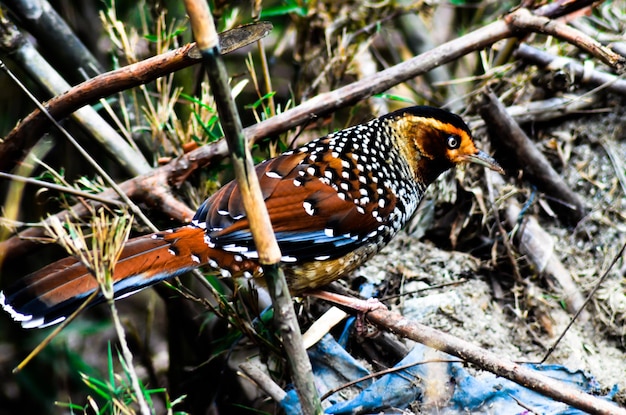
[(453, 142)]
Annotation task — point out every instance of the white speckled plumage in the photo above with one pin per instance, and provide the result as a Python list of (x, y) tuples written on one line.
[(333, 203)]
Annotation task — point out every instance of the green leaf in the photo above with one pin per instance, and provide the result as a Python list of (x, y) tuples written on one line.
[(284, 10), (392, 97), (110, 365), (98, 386), (164, 35), (259, 101), (70, 406), (196, 101)]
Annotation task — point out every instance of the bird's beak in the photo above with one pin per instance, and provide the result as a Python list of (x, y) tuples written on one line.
[(483, 159)]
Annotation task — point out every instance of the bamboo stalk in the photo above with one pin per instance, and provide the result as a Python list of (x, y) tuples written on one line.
[(254, 204)]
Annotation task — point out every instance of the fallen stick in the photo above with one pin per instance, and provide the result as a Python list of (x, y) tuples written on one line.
[(529, 159)]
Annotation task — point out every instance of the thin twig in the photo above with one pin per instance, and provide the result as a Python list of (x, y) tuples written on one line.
[(128, 359), (510, 252), (383, 373), (107, 242), (587, 300), (55, 332), (63, 189), (616, 159)]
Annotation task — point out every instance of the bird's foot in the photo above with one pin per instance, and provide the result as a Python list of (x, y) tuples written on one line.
[(361, 306), (357, 304)]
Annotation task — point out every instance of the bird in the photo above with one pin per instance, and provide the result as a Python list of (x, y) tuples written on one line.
[(333, 203)]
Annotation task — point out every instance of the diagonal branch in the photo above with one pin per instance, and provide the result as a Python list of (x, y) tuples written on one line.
[(180, 168)]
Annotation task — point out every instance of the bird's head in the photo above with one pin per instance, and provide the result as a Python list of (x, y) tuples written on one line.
[(434, 140)]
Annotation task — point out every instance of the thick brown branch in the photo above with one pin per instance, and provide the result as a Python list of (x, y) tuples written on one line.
[(27, 133)]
